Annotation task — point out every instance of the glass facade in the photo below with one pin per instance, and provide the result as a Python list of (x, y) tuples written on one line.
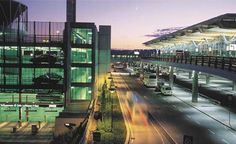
[(81, 93), (81, 55), (81, 75), (81, 36), (40, 53)]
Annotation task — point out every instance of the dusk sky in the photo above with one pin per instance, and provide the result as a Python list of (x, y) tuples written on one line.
[(131, 20)]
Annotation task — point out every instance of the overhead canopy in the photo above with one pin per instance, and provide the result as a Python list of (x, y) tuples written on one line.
[(10, 10), (223, 26)]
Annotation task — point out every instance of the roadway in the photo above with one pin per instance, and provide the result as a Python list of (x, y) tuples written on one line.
[(176, 117), (140, 129)]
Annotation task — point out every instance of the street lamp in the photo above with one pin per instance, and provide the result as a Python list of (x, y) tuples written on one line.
[(58, 32)]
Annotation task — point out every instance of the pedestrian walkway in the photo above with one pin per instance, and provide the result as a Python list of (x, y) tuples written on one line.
[(206, 106)]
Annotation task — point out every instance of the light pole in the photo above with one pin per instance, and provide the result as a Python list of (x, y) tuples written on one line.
[(112, 90), (229, 103), (58, 34)]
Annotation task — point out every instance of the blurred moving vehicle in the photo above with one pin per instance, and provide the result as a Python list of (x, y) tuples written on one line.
[(166, 90), (150, 80), (45, 58), (49, 78), (137, 108)]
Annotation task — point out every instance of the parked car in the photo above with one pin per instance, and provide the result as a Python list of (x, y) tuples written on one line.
[(45, 58), (166, 90), (49, 78)]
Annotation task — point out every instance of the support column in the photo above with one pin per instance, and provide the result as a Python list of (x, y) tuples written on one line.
[(141, 66), (171, 76), (27, 113), (157, 72), (195, 87), (149, 67), (177, 71), (234, 86), (189, 75), (208, 79)]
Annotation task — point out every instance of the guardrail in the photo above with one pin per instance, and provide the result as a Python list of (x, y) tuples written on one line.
[(225, 63)]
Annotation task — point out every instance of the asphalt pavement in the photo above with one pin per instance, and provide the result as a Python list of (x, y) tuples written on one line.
[(177, 118)]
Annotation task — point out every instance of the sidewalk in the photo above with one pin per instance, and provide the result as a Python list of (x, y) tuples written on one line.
[(206, 106)]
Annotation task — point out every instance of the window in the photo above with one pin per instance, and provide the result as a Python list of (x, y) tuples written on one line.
[(81, 75), (11, 55), (79, 55), (81, 93), (11, 75), (27, 75), (81, 36)]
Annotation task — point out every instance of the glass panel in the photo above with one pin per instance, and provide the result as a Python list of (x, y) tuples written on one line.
[(27, 54), (27, 75), (11, 75), (11, 54), (79, 55), (1, 76), (41, 71), (1, 54), (81, 75), (81, 36), (81, 93)]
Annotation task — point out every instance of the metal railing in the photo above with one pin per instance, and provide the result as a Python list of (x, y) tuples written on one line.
[(32, 32), (224, 63)]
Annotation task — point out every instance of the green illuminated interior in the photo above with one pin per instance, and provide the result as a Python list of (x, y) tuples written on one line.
[(81, 55), (81, 93), (81, 75), (35, 114), (81, 36)]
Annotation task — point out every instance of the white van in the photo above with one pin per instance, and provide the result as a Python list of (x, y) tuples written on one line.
[(150, 80), (166, 90)]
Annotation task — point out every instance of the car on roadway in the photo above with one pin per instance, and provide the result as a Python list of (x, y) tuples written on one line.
[(48, 78), (166, 90)]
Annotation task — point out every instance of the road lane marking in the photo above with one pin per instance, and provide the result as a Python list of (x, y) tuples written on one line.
[(211, 131), (197, 122), (225, 141), (232, 133), (158, 132), (189, 116)]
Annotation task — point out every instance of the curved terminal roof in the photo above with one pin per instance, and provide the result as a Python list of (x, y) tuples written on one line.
[(223, 27), (10, 10)]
